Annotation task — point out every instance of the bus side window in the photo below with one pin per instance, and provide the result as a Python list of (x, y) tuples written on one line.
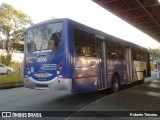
[(111, 49), (120, 51), (112, 53), (140, 55), (145, 56), (78, 47), (134, 53), (85, 50), (84, 43)]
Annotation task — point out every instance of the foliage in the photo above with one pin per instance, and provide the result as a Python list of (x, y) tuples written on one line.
[(5, 59), (12, 25), (13, 22), (10, 80), (19, 47), (154, 53)]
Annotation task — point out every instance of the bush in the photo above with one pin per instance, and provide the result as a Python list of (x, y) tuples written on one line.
[(5, 59), (10, 80)]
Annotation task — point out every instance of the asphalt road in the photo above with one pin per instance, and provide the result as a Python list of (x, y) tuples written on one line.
[(141, 99), (24, 99)]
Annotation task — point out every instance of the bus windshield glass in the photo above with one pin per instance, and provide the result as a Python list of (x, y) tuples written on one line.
[(44, 37)]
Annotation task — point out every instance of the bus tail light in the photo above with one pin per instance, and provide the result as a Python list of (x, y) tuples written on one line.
[(64, 76), (27, 67)]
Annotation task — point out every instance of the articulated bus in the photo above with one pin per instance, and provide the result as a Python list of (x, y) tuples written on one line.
[(63, 54)]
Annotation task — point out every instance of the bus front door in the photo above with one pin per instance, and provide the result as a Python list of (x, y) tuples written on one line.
[(101, 59)]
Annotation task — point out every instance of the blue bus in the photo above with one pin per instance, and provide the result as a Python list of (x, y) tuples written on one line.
[(63, 54)]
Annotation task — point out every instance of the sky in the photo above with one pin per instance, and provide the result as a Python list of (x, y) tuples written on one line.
[(86, 12)]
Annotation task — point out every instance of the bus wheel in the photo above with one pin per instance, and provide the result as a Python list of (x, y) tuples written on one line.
[(115, 83)]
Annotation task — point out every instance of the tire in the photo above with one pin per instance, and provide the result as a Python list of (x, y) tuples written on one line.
[(144, 74), (115, 83)]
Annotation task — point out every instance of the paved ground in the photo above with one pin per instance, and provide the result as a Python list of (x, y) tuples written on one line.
[(144, 97), (24, 99), (138, 100)]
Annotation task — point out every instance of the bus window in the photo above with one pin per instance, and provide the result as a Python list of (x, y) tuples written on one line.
[(78, 47), (134, 53), (120, 51), (111, 44), (84, 43), (111, 49), (54, 41), (144, 55), (140, 55), (111, 53), (31, 46), (46, 37)]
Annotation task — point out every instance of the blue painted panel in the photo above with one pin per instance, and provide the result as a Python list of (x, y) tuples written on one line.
[(118, 66)]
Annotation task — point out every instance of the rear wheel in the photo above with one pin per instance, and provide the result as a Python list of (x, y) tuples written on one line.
[(115, 83), (144, 76)]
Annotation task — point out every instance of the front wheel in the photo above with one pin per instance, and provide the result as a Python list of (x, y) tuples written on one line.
[(115, 83)]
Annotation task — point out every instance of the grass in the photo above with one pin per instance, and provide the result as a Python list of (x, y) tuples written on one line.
[(10, 79)]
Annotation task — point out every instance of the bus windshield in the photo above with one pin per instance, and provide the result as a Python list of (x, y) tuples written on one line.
[(44, 37)]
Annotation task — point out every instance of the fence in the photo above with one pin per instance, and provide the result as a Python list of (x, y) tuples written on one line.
[(15, 79)]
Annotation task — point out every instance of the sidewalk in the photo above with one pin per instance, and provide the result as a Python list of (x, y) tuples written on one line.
[(153, 77), (118, 106)]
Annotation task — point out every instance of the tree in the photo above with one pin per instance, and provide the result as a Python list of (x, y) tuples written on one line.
[(154, 53), (12, 24)]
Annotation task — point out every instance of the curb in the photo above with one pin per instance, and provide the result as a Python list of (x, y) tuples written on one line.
[(8, 86)]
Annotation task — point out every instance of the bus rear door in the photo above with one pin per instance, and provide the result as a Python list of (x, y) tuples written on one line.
[(129, 70), (101, 59)]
